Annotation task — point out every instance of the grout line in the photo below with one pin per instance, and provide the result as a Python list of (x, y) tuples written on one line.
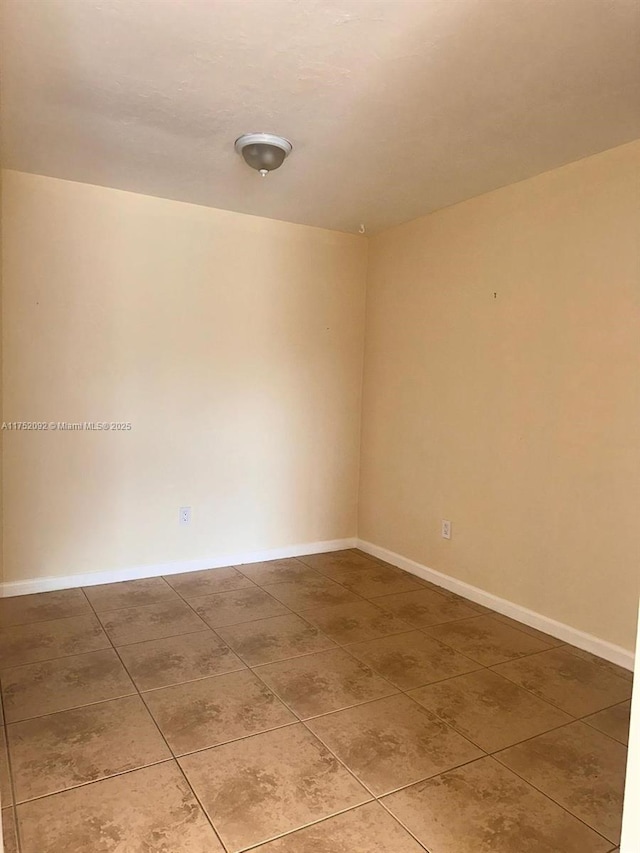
[(406, 784), (600, 710), (175, 596), (41, 621), (548, 701), (14, 812), (302, 722), (298, 719), (205, 630), (603, 664), (377, 799), (9, 772), (19, 722), (493, 614), (494, 753), (295, 715), (402, 824), (316, 823), (95, 781), (553, 800), (297, 559), (147, 690), (202, 808), (337, 758), (484, 665), (289, 724), (173, 758), (163, 599), (61, 657), (333, 648), (573, 722), (625, 746), (476, 666), (297, 829)]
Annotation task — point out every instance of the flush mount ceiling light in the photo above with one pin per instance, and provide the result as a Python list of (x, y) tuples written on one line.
[(263, 151)]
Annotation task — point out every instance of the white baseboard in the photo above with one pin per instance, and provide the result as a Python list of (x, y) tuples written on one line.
[(601, 648), (26, 587)]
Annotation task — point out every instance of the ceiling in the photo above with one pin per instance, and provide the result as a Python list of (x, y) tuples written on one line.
[(395, 107)]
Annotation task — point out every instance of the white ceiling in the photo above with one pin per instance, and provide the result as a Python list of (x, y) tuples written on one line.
[(395, 107)]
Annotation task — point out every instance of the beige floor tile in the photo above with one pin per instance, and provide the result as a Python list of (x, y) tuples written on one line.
[(486, 640), (147, 811), (6, 793), (354, 623), (324, 682), (336, 560), (374, 580), (56, 685), (574, 684), (42, 607), (196, 584), (478, 608), (392, 742), (277, 638), (152, 622), (242, 605), (59, 751), (490, 710), (304, 596), (48, 640), (365, 829), (369, 557), (601, 663), (260, 787), (452, 596), (116, 596), (9, 836), (578, 767), (425, 607), (484, 807), (612, 721), (215, 710), (174, 660), (434, 587), (278, 571), (533, 632), (413, 659)]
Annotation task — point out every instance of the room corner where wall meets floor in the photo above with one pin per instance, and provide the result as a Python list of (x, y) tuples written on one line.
[(488, 327)]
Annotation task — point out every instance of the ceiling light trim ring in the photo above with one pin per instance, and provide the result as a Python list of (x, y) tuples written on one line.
[(263, 139)]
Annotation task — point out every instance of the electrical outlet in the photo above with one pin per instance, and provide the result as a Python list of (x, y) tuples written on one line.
[(185, 515), (446, 529)]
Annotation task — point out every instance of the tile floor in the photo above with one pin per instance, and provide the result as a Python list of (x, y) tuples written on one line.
[(327, 704)]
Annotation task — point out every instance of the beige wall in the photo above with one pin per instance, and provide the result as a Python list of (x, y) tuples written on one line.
[(232, 344), (516, 417)]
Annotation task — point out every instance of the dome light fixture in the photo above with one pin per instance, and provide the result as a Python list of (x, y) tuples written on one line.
[(263, 151)]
